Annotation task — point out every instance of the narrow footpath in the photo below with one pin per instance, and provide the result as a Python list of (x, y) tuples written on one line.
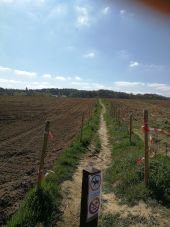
[(111, 205), (71, 190)]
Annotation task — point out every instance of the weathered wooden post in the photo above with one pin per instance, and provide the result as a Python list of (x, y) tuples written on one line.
[(90, 197), (43, 153), (130, 128), (146, 129), (81, 130)]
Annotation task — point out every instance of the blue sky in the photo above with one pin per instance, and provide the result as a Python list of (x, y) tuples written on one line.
[(83, 44)]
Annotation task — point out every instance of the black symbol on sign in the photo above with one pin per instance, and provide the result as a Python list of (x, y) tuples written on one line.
[(95, 182), (94, 205)]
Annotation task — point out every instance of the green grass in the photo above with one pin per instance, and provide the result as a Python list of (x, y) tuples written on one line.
[(42, 206), (111, 220), (125, 178)]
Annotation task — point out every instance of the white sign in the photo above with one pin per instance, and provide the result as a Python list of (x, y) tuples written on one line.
[(94, 199)]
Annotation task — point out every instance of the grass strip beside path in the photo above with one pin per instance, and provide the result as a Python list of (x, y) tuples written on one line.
[(125, 177)]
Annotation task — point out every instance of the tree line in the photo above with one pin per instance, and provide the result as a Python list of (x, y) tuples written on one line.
[(67, 92)]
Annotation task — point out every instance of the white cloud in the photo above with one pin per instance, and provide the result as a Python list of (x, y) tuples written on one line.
[(61, 78), (8, 83), (5, 69), (77, 78), (47, 76), (83, 18), (125, 15), (2, 80), (79, 83), (126, 84), (23, 2), (160, 87), (134, 64), (153, 67), (69, 78), (146, 67), (97, 86), (89, 55), (106, 10), (59, 9), (70, 48), (123, 54), (141, 87), (129, 87), (122, 12), (25, 73), (7, 1)]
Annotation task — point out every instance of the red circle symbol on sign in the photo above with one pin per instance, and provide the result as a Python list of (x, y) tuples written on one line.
[(94, 205), (95, 182)]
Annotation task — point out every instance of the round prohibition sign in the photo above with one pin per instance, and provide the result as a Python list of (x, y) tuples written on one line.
[(95, 182), (94, 205)]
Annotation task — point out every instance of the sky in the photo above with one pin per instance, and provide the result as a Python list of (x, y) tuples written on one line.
[(84, 44)]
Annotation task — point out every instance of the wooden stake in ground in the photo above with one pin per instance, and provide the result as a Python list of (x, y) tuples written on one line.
[(81, 131), (43, 153), (146, 170), (130, 128)]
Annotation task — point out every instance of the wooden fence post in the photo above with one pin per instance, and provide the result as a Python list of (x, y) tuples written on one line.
[(81, 131), (130, 128), (90, 197), (43, 153), (146, 169)]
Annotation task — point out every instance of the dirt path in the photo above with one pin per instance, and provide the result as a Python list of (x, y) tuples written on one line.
[(72, 189), (110, 203)]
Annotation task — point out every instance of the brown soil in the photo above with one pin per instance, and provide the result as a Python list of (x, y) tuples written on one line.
[(159, 111), (22, 121)]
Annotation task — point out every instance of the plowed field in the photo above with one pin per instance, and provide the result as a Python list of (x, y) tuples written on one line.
[(159, 111), (22, 121), (159, 116)]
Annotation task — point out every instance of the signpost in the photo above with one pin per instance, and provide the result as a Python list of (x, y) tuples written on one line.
[(90, 197)]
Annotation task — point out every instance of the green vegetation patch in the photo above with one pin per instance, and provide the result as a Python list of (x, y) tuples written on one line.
[(125, 177), (42, 206), (117, 219)]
